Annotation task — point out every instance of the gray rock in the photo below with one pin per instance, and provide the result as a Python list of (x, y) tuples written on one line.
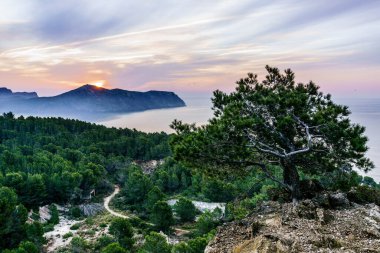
[(339, 199)]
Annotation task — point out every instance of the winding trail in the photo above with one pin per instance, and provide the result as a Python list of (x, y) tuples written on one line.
[(107, 201)]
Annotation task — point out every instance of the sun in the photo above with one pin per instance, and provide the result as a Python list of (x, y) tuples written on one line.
[(99, 84)]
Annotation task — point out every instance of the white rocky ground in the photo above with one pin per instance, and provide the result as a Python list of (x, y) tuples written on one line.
[(55, 237), (202, 206)]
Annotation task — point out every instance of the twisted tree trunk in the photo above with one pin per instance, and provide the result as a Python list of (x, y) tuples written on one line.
[(291, 178)]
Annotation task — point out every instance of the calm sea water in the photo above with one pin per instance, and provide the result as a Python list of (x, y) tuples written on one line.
[(364, 111), (198, 110)]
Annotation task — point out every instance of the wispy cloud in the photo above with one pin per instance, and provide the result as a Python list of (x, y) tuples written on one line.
[(187, 45)]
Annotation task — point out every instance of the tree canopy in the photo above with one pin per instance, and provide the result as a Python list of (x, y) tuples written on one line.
[(279, 122)]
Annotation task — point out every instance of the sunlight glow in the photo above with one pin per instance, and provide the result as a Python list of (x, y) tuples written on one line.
[(99, 84)]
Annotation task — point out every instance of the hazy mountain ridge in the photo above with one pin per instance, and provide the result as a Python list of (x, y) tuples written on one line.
[(7, 93), (89, 99)]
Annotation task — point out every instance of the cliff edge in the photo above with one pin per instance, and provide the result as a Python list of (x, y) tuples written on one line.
[(308, 227)]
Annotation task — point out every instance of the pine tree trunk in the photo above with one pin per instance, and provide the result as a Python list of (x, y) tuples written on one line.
[(291, 178)]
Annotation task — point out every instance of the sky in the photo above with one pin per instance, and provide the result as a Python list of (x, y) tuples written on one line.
[(190, 47)]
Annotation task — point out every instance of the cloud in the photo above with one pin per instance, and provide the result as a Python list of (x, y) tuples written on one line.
[(187, 45)]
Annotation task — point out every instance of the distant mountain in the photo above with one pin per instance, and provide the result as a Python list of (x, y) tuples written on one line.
[(87, 99), (7, 93)]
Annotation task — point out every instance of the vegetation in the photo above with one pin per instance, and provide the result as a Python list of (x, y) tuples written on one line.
[(122, 230), (155, 243), (54, 219), (54, 160), (162, 216), (114, 248), (276, 121), (208, 221), (270, 140), (185, 209)]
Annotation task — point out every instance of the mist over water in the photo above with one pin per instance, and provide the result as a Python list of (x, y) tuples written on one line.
[(365, 111), (198, 110)]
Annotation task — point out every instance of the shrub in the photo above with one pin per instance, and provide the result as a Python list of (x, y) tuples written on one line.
[(208, 221), (341, 180), (185, 209), (155, 243), (48, 228), (181, 247), (75, 226), (103, 241), (364, 194), (162, 216), (54, 219), (79, 245), (122, 230), (219, 191), (198, 244), (235, 212), (67, 235), (75, 212), (28, 247), (114, 248), (153, 197)]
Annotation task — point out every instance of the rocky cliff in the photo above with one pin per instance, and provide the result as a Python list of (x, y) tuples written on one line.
[(308, 227)]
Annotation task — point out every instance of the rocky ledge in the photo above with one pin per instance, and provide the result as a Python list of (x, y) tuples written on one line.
[(310, 226)]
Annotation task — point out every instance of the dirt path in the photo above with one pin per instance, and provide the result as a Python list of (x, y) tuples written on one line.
[(107, 201)]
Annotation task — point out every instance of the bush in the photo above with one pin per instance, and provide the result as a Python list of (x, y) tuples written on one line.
[(114, 248), (364, 194), (155, 243), (181, 247), (341, 180), (162, 216), (197, 245), (29, 247), (24, 247), (208, 221), (48, 228), (140, 224), (235, 212), (369, 181), (153, 197), (54, 219), (185, 209), (79, 245), (218, 191), (67, 235), (103, 241), (122, 230), (75, 212), (89, 221), (75, 226), (35, 232)]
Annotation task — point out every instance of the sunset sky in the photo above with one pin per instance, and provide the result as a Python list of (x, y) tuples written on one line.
[(189, 47)]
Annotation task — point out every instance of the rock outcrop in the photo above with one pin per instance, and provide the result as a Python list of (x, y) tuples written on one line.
[(308, 227), (91, 209)]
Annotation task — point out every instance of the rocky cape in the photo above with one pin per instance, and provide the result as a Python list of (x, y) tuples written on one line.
[(87, 99), (330, 223)]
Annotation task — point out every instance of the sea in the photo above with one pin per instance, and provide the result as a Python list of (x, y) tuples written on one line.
[(365, 111)]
